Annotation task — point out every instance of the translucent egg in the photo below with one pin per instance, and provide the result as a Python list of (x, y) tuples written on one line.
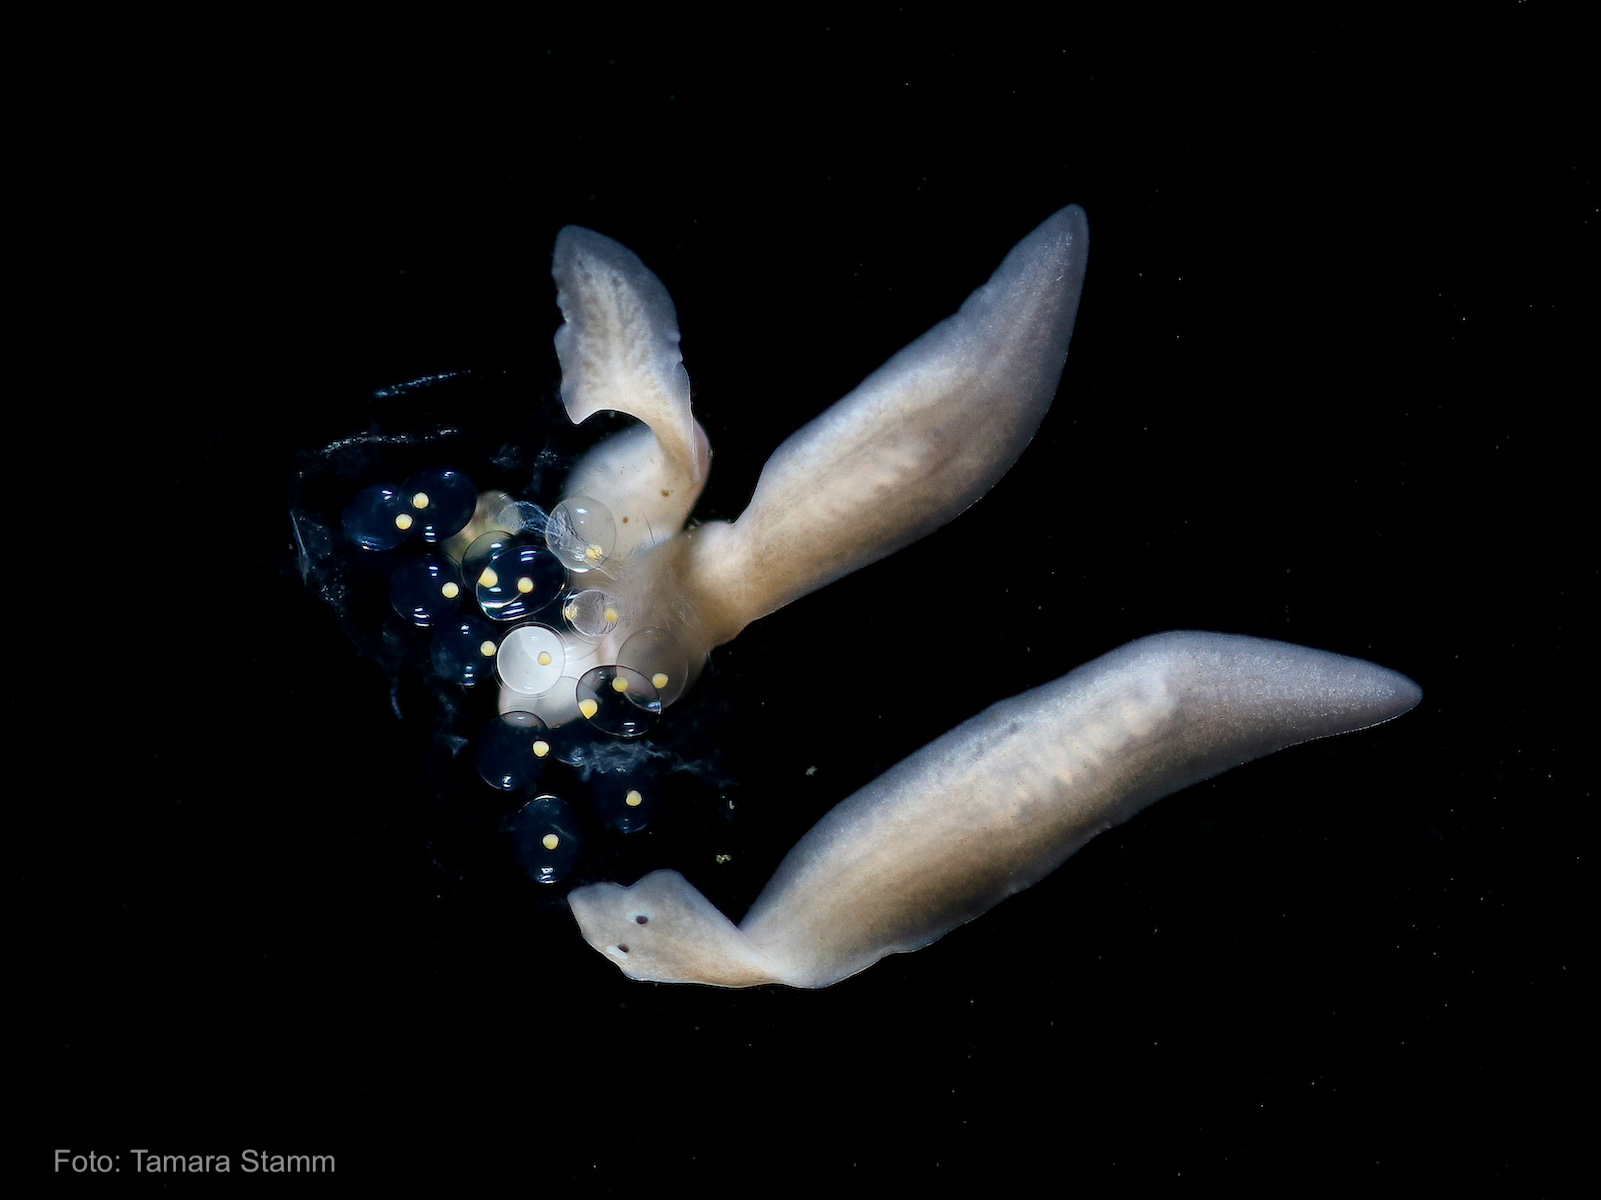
[(440, 500), (484, 547), (516, 579), (659, 657), (618, 700), (425, 590), (512, 751), (581, 533), (545, 839), (625, 801), (378, 518), (531, 659), (464, 649), (591, 613)]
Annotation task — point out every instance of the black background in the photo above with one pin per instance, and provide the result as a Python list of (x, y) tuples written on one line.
[(1323, 387)]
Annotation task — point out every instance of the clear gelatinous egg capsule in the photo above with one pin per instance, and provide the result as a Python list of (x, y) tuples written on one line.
[(591, 613), (624, 800), (512, 751), (464, 649), (659, 657), (517, 579), (545, 839), (426, 589), (441, 502), (378, 518), (618, 700), (581, 533), (531, 659)]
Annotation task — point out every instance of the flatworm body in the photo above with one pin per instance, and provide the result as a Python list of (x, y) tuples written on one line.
[(993, 807)]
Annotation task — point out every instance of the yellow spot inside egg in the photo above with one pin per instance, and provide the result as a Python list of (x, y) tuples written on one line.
[(588, 707), (402, 520), (551, 841), (544, 658), (570, 612), (488, 579), (486, 648), (593, 552), (420, 500), (633, 799), (611, 616), (619, 684), (541, 748), (525, 585), (659, 680), (451, 590)]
